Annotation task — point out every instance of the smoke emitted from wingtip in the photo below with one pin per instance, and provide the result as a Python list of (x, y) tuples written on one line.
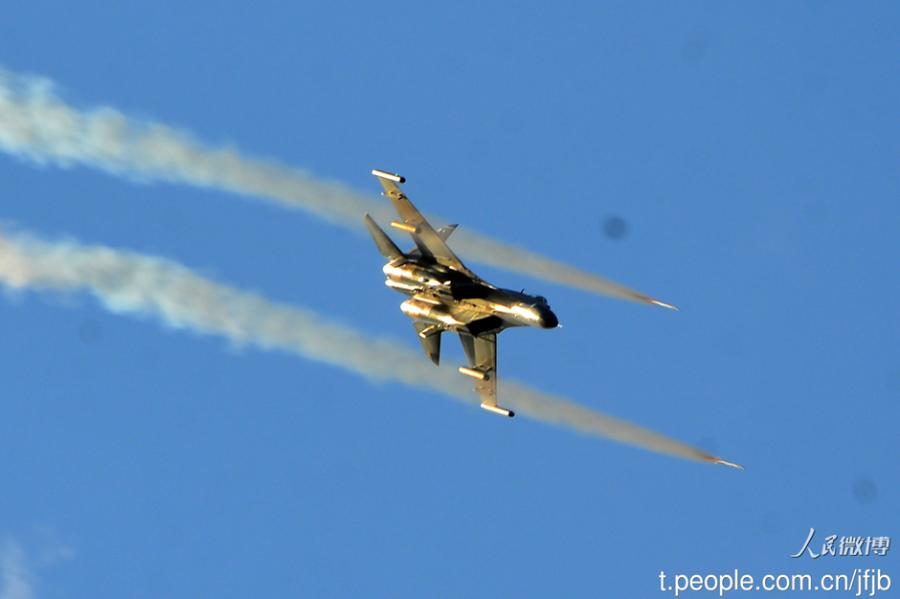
[(131, 283), (37, 125), (502, 255), (563, 412)]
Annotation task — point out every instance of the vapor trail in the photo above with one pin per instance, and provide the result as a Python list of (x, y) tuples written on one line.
[(36, 124), (146, 286), (15, 578)]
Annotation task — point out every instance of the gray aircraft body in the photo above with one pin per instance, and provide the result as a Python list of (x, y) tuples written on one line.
[(445, 296)]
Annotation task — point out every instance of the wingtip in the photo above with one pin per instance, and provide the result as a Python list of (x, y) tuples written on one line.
[(388, 175), (715, 460), (661, 304)]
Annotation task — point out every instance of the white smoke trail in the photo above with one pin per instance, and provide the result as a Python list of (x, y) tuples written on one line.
[(134, 284), (15, 578), (36, 124)]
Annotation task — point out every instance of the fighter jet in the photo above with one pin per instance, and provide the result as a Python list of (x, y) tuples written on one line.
[(445, 296)]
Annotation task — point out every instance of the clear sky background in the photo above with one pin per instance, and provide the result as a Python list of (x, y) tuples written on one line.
[(750, 150)]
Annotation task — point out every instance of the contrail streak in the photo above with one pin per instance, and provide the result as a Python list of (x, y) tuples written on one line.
[(130, 283), (36, 124), (15, 578)]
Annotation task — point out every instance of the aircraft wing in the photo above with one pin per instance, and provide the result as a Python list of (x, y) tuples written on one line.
[(429, 242), (481, 352)]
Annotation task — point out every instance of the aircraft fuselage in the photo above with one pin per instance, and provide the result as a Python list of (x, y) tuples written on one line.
[(454, 301)]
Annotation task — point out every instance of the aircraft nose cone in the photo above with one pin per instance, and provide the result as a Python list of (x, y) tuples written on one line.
[(548, 319)]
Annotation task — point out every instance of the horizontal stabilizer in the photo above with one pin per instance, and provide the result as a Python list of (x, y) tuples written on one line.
[(430, 338), (387, 247)]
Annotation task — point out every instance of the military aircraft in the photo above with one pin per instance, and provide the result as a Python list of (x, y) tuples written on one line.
[(444, 295)]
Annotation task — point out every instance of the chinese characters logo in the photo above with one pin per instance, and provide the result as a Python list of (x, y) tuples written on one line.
[(850, 546)]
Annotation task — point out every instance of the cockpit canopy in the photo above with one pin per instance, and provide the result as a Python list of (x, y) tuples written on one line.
[(534, 301)]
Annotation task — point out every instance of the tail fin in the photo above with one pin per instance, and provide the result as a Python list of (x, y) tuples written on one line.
[(387, 247)]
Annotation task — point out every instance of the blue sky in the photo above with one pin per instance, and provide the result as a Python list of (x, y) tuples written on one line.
[(752, 152)]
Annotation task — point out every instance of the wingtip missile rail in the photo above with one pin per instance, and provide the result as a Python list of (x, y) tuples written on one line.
[(389, 176), (498, 410)]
